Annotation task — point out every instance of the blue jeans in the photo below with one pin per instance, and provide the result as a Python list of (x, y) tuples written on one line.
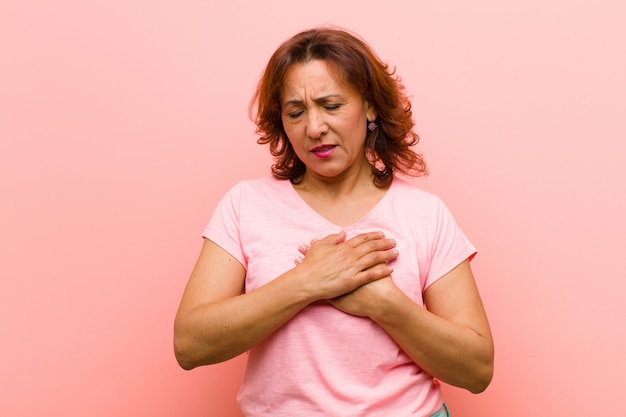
[(444, 412)]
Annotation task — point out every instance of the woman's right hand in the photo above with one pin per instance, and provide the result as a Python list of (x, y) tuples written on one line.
[(335, 266), (216, 321)]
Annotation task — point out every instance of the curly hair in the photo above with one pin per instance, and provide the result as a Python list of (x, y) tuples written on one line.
[(351, 59)]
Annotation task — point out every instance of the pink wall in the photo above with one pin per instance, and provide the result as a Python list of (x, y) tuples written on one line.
[(122, 123)]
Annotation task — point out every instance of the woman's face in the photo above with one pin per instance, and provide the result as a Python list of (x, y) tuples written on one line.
[(325, 121)]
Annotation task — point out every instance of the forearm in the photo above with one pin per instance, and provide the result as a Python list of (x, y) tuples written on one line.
[(451, 352), (215, 322), (218, 331)]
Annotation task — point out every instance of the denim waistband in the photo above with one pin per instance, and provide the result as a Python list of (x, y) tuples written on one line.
[(443, 412)]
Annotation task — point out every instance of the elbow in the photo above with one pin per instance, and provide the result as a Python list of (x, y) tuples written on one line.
[(187, 366), (481, 383), (482, 377), (186, 349), (183, 355), (184, 363), (191, 354), (483, 372)]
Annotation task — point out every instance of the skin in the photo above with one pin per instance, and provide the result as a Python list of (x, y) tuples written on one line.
[(325, 121)]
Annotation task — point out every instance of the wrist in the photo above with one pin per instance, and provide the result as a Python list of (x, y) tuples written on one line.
[(389, 306)]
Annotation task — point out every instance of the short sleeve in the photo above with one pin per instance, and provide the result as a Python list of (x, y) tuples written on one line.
[(450, 246), (224, 227)]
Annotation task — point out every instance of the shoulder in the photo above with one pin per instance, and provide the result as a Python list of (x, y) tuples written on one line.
[(410, 194), (258, 192), (260, 185)]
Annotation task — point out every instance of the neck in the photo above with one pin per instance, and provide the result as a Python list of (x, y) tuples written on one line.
[(346, 185), (342, 201)]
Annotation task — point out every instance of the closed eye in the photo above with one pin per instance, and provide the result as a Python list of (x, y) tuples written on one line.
[(331, 107), (295, 114)]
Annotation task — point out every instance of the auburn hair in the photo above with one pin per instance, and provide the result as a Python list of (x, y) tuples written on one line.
[(352, 60)]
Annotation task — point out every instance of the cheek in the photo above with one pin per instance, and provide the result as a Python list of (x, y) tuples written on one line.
[(291, 137), (291, 131)]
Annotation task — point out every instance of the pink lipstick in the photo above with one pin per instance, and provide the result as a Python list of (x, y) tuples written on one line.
[(324, 151)]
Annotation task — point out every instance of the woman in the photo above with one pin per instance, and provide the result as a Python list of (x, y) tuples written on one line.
[(350, 288)]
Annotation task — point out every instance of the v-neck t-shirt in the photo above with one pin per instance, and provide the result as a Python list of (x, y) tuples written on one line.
[(324, 360)]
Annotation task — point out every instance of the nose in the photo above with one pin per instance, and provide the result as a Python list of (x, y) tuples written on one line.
[(316, 124)]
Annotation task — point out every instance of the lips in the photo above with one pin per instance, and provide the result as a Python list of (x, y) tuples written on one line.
[(324, 151)]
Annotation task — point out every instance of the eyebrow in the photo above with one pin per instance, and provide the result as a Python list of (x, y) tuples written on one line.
[(320, 99)]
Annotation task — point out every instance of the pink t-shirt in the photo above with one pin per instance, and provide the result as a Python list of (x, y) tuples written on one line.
[(323, 361)]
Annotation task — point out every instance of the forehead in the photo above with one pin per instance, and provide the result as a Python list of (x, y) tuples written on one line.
[(313, 76)]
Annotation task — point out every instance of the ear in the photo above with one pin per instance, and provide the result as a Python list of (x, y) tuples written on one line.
[(370, 112)]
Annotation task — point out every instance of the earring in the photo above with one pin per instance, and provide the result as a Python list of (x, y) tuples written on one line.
[(372, 126)]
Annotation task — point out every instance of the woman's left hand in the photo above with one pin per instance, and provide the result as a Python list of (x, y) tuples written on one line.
[(450, 339)]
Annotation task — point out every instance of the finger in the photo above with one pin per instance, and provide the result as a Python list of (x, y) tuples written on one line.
[(365, 237), (368, 259), (333, 239), (375, 273), (340, 237), (376, 257), (367, 246)]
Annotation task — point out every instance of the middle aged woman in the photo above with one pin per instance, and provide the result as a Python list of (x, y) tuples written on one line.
[(381, 302)]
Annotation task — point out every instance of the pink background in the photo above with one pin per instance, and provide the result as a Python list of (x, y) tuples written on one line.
[(123, 121)]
